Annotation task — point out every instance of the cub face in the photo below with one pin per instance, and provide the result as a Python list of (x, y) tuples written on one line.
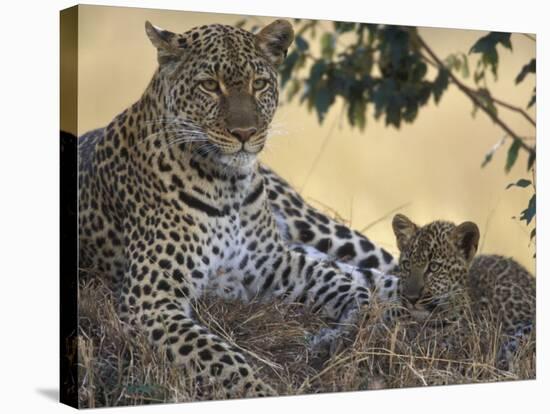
[(434, 263), (219, 86)]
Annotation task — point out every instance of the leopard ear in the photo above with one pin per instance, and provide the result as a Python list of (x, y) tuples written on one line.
[(274, 40), (466, 239), (165, 42), (404, 229)]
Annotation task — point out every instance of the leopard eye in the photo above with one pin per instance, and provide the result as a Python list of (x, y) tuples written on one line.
[(210, 85), (406, 265), (259, 84), (434, 267)]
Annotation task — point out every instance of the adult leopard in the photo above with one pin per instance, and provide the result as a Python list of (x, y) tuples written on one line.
[(173, 203)]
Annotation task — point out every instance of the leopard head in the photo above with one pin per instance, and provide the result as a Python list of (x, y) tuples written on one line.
[(434, 263), (218, 87)]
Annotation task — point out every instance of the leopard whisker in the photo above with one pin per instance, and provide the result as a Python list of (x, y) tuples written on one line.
[(180, 134), (183, 141)]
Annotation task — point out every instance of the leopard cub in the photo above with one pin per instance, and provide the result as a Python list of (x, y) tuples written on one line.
[(441, 275)]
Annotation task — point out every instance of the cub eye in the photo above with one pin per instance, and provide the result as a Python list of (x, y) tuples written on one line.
[(406, 265), (210, 85), (434, 267), (259, 84)]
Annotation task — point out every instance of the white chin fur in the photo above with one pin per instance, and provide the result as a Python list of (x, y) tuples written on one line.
[(240, 160)]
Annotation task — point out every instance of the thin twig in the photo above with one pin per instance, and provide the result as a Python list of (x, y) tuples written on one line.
[(495, 100), (513, 108), (475, 98), (335, 214), (319, 154), (487, 223), (389, 213)]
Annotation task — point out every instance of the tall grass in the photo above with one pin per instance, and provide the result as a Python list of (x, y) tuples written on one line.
[(118, 368)]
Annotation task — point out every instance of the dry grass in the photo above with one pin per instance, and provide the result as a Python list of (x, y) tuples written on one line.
[(118, 369)]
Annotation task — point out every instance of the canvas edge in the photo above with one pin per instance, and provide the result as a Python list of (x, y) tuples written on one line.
[(68, 358)]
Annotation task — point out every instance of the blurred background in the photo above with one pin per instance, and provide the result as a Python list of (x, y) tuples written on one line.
[(428, 169)]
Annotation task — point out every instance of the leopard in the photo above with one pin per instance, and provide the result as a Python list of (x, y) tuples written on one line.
[(174, 205), (440, 274)]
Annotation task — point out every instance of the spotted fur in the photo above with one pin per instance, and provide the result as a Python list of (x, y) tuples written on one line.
[(441, 274), (173, 204)]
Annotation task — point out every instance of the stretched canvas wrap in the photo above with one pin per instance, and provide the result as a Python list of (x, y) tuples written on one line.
[(265, 206)]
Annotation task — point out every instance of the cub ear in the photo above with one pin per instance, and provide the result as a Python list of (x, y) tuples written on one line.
[(165, 42), (404, 229), (466, 239), (274, 40)]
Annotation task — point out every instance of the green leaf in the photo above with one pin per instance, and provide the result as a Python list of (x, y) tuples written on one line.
[(522, 182), (440, 83), (343, 27), (411, 111), (487, 159), (465, 66), (533, 99), (393, 112), (287, 66), (419, 71), (323, 99), (293, 89), (489, 42), (491, 59), (487, 47), (452, 62), (328, 43), (316, 72), (381, 95), (486, 99), (491, 152), (530, 67), (357, 113), (479, 73), (533, 233), (504, 39), (301, 43), (458, 62), (531, 160), (395, 43), (529, 213), (512, 155), (474, 111)]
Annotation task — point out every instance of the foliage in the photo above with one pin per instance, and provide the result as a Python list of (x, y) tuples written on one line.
[(379, 66), (529, 213), (383, 70), (487, 48)]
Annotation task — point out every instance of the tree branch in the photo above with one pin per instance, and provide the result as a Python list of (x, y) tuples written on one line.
[(495, 100), (473, 95), (515, 109)]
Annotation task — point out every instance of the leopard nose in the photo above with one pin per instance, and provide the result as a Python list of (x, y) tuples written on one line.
[(412, 293), (412, 298), (243, 134)]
